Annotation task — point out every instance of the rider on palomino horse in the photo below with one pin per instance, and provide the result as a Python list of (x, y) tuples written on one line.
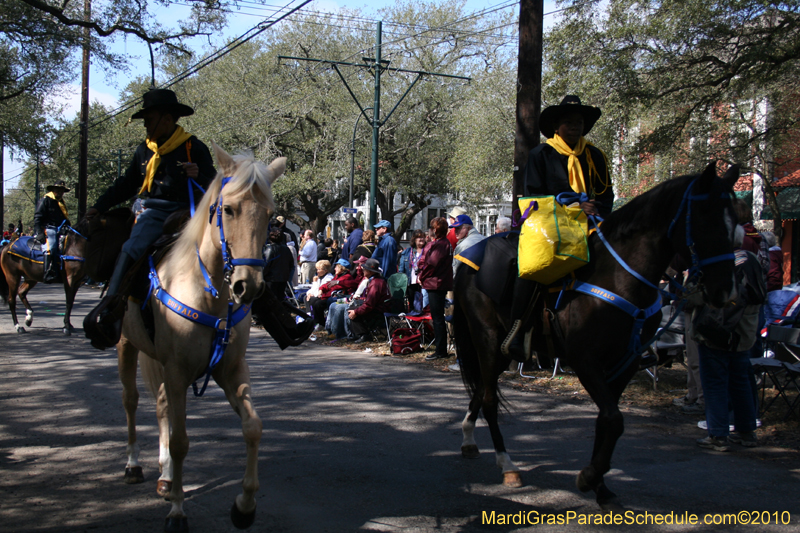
[(50, 214), (168, 169), (566, 163)]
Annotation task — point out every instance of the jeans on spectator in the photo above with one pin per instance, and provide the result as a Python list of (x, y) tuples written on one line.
[(336, 323), (726, 379), (437, 303)]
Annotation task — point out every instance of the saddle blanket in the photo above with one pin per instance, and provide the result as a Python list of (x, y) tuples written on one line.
[(27, 248)]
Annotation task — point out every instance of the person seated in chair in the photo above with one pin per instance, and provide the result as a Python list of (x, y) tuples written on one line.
[(50, 214), (336, 321), (369, 314), (567, 162), (342, 284), (165, 168)]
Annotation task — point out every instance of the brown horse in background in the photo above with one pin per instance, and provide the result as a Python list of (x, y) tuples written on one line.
[(94, 258), (71, 274)]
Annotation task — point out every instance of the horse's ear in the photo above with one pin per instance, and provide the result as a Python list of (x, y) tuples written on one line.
[(276, 169), (731, 176), (225, 161), (707, 178)]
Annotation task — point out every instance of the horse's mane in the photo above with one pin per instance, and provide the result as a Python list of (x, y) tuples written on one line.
[(656, 205), (249, 174)]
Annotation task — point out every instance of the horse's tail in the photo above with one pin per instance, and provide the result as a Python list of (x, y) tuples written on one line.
[(152, 373), (4, 289), (467, 354), (474, 363)]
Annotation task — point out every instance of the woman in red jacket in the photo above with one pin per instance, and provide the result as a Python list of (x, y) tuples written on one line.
[(343, 282), (436, 276)]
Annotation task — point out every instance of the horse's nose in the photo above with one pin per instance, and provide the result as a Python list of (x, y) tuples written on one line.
[(244, 292)]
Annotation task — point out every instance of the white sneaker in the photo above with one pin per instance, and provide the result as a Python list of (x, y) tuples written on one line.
[(704, 426), (455, 367)]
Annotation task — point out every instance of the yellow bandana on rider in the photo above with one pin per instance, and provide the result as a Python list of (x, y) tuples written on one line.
[(61, 203), (576, 180), (178, 138)]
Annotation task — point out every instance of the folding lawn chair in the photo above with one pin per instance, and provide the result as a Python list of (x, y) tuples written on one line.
[(784, 377)]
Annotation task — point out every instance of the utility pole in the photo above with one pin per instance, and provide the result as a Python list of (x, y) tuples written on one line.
[(376, 65), (36, 192), (529, 88), (83, 144)]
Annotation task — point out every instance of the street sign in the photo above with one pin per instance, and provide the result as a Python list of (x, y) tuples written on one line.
[(352, 210)]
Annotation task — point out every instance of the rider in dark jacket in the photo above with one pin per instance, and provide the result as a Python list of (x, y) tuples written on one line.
[(167, 170), (50, 214)]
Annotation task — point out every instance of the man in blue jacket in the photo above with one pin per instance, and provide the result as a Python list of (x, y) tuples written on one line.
[(386, 252)]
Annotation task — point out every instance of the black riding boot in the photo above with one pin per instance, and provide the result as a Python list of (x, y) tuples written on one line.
[(50, 273), (103, 325), (513, 345)]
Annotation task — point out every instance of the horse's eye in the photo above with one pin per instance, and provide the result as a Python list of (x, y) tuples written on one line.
[(228, 210)]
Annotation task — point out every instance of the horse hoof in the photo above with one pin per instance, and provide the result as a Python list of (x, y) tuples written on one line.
[(470, 451), (582, 484), (176, 524), (133, 475), (67, 332), (20, 329), (163, 488), (512, 479), (29, 321), (241, 520)]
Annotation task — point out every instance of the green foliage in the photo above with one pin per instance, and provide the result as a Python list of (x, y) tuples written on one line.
[(683, 82)]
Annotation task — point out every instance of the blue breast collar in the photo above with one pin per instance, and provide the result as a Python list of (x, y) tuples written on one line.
[(221, 334)]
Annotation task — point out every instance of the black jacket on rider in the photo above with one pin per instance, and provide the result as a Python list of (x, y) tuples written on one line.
[(48, 213), (170, 181)]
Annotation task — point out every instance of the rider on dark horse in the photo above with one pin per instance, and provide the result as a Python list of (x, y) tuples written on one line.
[(167, 169), (566, 163), (50, 214)]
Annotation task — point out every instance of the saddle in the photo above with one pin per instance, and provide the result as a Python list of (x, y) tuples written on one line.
[(30, 249)]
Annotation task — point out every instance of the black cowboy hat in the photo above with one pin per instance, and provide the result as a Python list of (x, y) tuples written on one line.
[(60, 184), (163, 98), (570, 104), (372, 265)]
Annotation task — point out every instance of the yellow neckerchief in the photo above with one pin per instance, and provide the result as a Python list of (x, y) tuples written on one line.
[(576, 180), (178, 138), (61, 203)]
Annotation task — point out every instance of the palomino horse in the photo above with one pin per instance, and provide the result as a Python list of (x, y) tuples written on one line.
[(202, 276), (15, 266), (689, 215)]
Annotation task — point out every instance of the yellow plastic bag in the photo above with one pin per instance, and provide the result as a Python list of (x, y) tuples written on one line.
[(553, 240)]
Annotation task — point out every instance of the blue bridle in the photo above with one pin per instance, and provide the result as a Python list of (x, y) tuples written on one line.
[(221, 334), (635, 346)]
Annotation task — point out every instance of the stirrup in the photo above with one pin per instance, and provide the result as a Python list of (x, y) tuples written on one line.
[(515, 327)]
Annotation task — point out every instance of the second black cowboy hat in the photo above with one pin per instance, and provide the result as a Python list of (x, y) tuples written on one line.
[(570, 104), (166, 99), (60, 184)]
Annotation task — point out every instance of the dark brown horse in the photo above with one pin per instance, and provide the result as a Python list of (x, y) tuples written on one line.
[(595, 335), (15, 266)]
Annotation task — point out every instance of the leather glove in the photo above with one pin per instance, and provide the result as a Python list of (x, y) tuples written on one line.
[(41, 237)]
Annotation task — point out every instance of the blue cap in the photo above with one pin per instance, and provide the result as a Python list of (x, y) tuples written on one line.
[(461, 220), (383, 224), (344, 262)]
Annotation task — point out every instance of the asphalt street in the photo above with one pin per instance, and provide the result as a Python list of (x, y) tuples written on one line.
[(351, 442)]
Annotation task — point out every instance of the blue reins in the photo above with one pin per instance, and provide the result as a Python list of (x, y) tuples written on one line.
[(221, 334)]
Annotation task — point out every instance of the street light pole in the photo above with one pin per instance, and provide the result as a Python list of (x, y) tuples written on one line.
[(353, 155)]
